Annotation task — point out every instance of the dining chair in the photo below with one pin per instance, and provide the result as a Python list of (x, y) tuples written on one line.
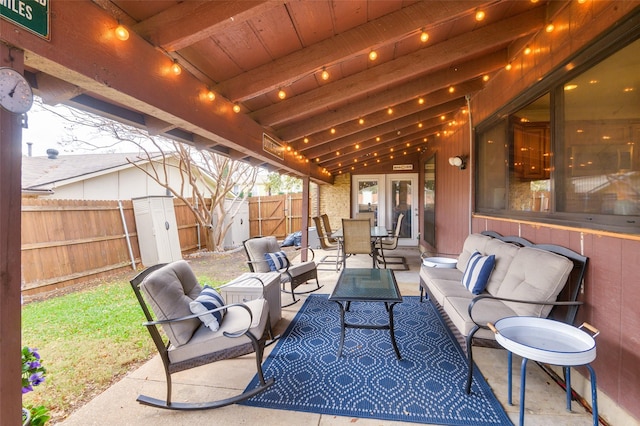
[(327, 245), (391, 243), (356, 239), (327, 228), (367, 215)]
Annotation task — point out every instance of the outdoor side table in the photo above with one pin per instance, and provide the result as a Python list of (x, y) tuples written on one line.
[(243, 288), (550, 342)]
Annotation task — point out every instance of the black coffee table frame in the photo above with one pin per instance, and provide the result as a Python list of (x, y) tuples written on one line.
[(366, 285)]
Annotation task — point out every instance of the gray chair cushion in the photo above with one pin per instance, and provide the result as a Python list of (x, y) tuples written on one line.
[(257, 248), (204, 340), (169, 290)]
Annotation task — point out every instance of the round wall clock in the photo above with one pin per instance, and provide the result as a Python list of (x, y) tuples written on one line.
[(15, 93)]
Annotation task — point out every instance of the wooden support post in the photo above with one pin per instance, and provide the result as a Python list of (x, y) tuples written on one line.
[(305, 216), (10, 269)]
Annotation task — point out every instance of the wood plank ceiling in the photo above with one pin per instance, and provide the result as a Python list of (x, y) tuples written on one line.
[(362, 109)]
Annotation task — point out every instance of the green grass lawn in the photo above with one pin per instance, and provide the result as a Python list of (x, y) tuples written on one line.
[(87, 340)]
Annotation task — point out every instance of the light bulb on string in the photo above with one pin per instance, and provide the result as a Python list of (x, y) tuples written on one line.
[(176, 68), (121, 33)]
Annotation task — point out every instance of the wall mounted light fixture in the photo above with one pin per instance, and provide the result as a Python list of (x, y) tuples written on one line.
[(458, 161)]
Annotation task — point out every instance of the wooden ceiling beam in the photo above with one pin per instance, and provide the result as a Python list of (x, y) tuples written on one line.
[(157, 127), (409, 92), (442, 106), (53, 90), (357, 41), (332, 162), (371, 133), (472, 44), (438, 101), (189, 22)]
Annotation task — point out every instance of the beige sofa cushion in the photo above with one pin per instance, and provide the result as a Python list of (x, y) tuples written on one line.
[(484, 311), (473, 242), (443, 282), (504, 253), (535, 275)]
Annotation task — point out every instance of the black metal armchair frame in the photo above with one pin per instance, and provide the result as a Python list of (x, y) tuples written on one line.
[(574, 283), (256, 345), (391, 244)]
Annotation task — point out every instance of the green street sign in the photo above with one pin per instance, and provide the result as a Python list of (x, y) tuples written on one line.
[(32, 15)]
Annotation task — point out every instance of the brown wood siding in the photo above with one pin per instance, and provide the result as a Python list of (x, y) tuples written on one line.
[(612, 293)]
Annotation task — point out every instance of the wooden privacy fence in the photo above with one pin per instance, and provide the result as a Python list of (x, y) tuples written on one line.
[(67, 242), (278, 215)]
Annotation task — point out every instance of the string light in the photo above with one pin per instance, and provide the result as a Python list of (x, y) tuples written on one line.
[(550, 27), (211, 96), (121, 33), (527, 50), (361, 121), (325, 74), (373, 55), (420, 101), (424, 36), (282, 94), (508, 67), (480, 15), (176, 68), (236, 108)]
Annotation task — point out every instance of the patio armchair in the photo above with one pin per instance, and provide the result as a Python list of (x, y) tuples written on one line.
[(391, 243), (265, 255), (327, 245), (356, 239), (199, 328), (327, 228)]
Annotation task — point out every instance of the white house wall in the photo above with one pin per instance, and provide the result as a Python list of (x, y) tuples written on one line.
[(123, 184)]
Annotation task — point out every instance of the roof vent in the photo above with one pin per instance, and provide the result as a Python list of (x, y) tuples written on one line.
[(52, 153)]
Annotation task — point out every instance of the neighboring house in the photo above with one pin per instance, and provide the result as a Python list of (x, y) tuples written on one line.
[(92, 177)]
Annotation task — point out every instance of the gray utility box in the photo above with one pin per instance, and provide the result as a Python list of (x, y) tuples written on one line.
[(314, 241), (157, 230)]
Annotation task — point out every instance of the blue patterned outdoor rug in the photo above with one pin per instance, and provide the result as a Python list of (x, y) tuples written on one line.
[(368, 381)]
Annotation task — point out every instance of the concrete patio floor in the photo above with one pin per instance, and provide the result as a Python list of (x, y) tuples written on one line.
[(545, 400)]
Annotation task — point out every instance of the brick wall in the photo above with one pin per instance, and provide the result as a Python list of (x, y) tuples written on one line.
[(335, 199)]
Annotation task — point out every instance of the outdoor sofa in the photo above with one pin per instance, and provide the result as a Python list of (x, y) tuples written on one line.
[(526, 280)]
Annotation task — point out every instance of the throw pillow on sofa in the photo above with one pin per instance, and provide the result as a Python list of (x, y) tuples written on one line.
[(208, 299), (478, 271)]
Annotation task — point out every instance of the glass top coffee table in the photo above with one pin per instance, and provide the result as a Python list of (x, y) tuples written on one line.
[(366, 285)]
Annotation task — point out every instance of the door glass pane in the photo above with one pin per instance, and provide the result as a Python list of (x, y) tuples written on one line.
[(401, 203), (368, 197), (430, 201)]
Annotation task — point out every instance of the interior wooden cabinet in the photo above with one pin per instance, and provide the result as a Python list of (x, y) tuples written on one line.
[(531, 150)]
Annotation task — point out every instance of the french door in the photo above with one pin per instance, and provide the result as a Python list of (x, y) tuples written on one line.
[(387, 196)]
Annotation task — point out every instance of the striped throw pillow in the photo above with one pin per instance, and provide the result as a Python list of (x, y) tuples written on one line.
[(208, 299), (477, 273), (277, 260)]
